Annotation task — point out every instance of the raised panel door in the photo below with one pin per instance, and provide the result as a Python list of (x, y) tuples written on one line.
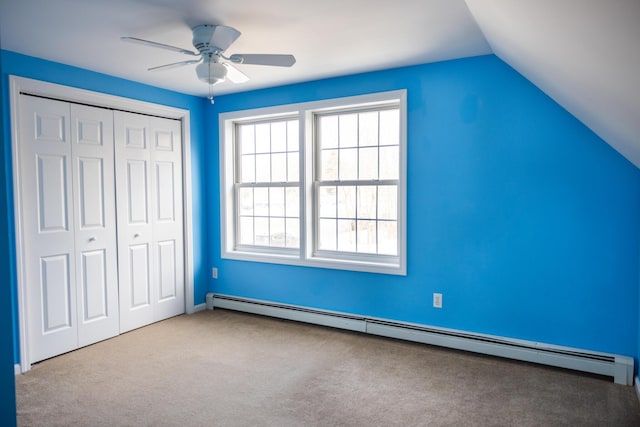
[(95, 223), (150, 221), (167, 199), (47, 221), (135, 230)]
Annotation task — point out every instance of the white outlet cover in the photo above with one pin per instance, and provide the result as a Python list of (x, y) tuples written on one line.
[(437, 300)]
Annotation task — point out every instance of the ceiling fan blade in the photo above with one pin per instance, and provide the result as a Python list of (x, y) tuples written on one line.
[(174, 65), (224, 36), (264, 59), (158, 45), (235, 75)]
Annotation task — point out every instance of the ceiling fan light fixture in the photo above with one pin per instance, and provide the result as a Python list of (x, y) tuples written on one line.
[(211, 72)]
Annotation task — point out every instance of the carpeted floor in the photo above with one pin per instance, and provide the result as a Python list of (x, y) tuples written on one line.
[(224, 368)]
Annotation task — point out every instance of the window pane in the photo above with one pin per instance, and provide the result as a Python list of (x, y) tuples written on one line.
[(293, 202), (273, 157), (348, 130), (389, 162), (261, 231), (389, 127), (245, 199), (277, 232), (263, 137), (387, 202), (246, 231), (292, 235), (293, 136), (292, 167), (261, 202), (278, 137), (388, 237), (329, 165), (349, 164), (327, 235), (368, 129), (328, 132), (347, 202), (368, 163), (263, 168), (347, 235), (247, 143), (367, 237), (359, 208), (327, 202), (248, 168), (367, 202), (279, 167), (276, 201), (269, 227)]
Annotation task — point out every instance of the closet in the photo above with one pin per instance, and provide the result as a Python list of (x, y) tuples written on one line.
[(101, 217)]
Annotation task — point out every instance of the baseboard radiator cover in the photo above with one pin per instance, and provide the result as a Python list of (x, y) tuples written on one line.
[(620, 368)]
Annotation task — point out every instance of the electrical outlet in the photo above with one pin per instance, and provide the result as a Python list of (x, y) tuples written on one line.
[(214, 272), (437, 300)]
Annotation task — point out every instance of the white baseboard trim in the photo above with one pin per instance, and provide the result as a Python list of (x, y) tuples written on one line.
[(199, 307), (637, 386), (16, 369), (619, 367)]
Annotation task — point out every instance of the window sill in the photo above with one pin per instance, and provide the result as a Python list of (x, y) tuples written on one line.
[(318, 262)]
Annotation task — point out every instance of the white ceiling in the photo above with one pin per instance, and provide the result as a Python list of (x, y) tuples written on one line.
[(328, 37), (585, 54)]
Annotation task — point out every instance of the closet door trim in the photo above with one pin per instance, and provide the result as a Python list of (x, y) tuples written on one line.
[(20, 85)]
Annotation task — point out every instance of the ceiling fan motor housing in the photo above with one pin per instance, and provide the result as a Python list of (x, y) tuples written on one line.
[(202, 36)]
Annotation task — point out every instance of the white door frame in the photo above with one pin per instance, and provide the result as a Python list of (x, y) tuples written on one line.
[(71, 94)]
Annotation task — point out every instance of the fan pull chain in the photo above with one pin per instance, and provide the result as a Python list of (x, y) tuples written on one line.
[(210, 97)]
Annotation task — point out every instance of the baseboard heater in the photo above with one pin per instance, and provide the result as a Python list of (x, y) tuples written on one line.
[(612, 365)]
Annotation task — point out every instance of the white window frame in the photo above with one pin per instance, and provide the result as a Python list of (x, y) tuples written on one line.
[(307, 255)]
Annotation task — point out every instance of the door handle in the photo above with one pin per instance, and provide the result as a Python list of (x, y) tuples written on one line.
[(135, 236), (92, 239)]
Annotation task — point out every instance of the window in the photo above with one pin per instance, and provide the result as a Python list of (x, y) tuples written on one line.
[(267, 187), (319, 184), (357, 181)]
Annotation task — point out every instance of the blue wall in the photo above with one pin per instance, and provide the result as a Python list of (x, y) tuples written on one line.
[(522, 217), (25, 66), (7, 384)]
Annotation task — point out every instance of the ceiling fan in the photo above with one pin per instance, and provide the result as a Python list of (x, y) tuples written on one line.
[(213, 66)]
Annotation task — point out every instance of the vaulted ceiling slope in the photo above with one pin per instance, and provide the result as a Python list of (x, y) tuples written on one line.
[(584, 54)]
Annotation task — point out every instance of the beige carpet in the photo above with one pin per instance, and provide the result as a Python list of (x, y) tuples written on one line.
[(224, 368)]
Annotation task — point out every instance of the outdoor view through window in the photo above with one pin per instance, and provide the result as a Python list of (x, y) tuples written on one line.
[(357, 181), (269, 187)]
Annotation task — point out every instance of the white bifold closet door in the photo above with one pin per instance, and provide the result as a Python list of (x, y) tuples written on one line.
[(150, 225), (69, 225)]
